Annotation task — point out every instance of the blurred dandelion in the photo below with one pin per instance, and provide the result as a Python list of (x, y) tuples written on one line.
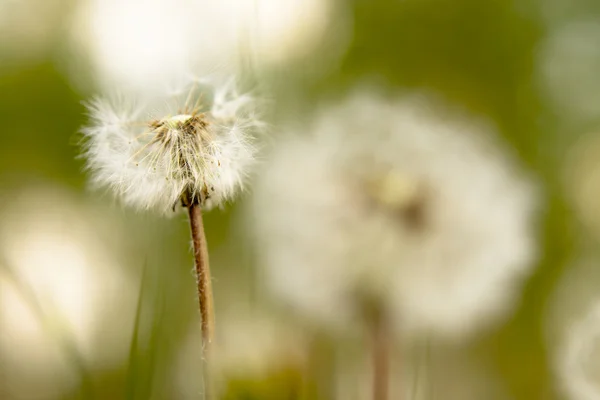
[(138, 43), (193, 148), (397, 214), (56, 277)]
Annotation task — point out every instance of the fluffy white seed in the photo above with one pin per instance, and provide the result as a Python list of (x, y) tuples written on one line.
[(186, 146)]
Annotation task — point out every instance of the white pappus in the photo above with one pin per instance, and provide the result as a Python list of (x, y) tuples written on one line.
[(193, 145)]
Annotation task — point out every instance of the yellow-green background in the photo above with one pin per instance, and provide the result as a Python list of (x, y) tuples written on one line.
[(479, 54)]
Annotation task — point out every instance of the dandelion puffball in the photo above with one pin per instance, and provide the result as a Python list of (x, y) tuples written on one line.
[(137, 43), (394, 203), (188, 147)]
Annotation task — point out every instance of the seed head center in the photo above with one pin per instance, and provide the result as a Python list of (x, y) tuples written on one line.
[(178, 121), (404, 195), (180, 125)]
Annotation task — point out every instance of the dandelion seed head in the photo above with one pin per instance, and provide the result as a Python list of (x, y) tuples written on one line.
[(396, 203), (185, 147)]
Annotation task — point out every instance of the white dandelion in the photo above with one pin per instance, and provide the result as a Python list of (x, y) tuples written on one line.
[(187, 147), (397, 215), (192, 148)]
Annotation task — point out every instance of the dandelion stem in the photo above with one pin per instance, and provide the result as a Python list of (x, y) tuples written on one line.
[(205, 297), (380, 356)]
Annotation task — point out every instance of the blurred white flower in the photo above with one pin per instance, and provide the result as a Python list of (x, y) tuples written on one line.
[(139, 43), (397, 203), (569, 60), (58, 280), (155, 156)]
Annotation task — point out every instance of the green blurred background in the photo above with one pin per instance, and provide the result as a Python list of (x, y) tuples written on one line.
[(129, 328)]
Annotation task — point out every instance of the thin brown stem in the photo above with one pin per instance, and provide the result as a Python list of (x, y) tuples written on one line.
[(205, 296), (380, 357)]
